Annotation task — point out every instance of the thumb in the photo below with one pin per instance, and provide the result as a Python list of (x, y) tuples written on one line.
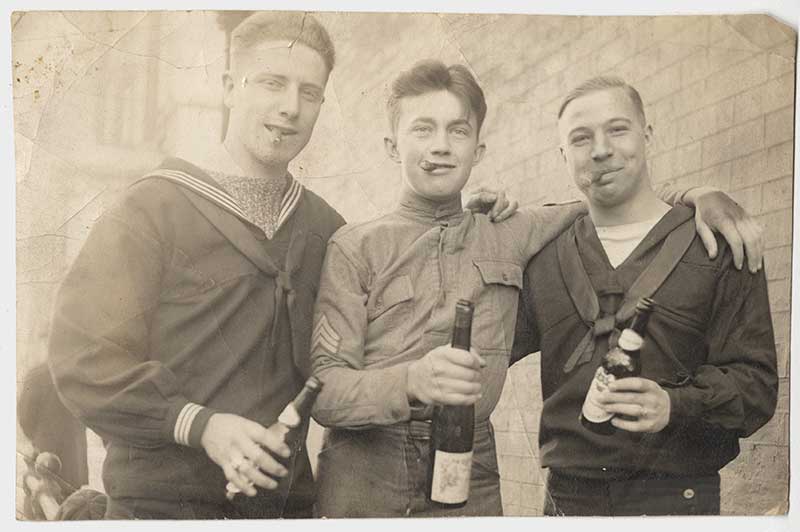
[(478, 357)]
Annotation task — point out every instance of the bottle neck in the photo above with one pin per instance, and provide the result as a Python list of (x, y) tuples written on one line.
[(461, 337), (640, 318), (300, 407)]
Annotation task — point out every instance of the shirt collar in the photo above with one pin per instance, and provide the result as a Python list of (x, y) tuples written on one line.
[(201, 182), (418, 207)]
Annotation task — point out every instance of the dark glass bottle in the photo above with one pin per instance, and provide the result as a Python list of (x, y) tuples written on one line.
[(452, 430), (298, 411), (620, 362), (291, 420)]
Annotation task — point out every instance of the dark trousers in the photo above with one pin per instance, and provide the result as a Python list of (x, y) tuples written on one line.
[(647, 494), (137, 508), (383, 472)]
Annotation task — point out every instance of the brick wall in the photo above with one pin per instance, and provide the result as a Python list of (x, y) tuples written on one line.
[(719, 93), (99, 97)]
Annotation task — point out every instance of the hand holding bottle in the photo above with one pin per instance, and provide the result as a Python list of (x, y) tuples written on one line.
[(283, 438), (645, 404), (239, 446), (446, 376)]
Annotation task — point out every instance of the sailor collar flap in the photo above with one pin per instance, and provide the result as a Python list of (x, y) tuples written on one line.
[(676, 229)]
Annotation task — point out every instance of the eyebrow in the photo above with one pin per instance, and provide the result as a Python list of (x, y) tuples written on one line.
[(609, 121), (423, 120), (460, 122), (303, 84)]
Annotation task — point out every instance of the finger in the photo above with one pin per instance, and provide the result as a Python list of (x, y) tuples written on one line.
[(499, 205), (753, 244), (271, 440), (478, 356), (467, 359), (241, 482), (624, 409), (458, 399), (707, 237), (481, 199), (458, 373), (630, 426), (608, 398), (630, 384), (264, 461), (448, 386), (254, 474), (508, 212), (729, 231)]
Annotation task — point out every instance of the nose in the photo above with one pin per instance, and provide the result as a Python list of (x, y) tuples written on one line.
[(290, 103), (601, 148), (440, 144)]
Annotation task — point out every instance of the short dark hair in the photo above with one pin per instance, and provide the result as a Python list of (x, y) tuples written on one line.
[(432, 75), (601, 83), (296, 26)]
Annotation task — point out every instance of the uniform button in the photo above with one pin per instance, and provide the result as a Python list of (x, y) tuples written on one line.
[(505, 277), (688, 493)]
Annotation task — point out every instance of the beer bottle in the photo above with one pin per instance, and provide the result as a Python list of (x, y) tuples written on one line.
[(452, 429), (618, 363), (291, 422)]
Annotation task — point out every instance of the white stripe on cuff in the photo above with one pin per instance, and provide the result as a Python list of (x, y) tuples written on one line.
[(184, 423)]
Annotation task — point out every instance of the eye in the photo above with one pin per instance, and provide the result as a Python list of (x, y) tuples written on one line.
[(421, 130), (270, 84), (460, 132), (579, 140), (617, 130), (311, 95)]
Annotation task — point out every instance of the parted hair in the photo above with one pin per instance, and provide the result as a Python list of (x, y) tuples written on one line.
[(430, 76)]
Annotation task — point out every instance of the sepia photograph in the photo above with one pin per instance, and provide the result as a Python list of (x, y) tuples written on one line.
[(331, 263)]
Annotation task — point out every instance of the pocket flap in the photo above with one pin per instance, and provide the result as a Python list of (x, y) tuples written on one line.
[(499, 272), (394, 291)]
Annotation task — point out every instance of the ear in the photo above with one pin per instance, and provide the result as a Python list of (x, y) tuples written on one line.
[(480, 149), (228, 87), (390, 145), (648, 135)]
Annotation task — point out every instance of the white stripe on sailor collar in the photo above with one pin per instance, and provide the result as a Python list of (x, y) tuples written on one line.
[(219, 196)]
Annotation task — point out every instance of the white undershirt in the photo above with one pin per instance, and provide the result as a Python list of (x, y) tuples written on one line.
[(619, 241)]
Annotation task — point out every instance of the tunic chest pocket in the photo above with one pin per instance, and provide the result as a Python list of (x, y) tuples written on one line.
[(496, 303), (390, 302)]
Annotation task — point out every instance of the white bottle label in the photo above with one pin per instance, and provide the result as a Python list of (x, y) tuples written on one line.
[(593, 410), (451, 476)]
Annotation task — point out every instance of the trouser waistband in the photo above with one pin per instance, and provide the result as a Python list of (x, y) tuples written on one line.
[(422, 428)]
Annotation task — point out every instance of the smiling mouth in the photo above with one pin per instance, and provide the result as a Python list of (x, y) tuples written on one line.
[(430, 166), (599, 175), (278, 132)]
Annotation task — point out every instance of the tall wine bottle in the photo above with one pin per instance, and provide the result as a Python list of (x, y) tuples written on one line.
[(618, 363), (452, 430)]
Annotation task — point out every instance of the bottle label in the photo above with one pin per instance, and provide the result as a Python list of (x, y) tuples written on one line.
[(451, 476), (592, 409)]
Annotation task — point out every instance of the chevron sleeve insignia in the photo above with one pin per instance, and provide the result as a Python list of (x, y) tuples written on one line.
[(325, 337)]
